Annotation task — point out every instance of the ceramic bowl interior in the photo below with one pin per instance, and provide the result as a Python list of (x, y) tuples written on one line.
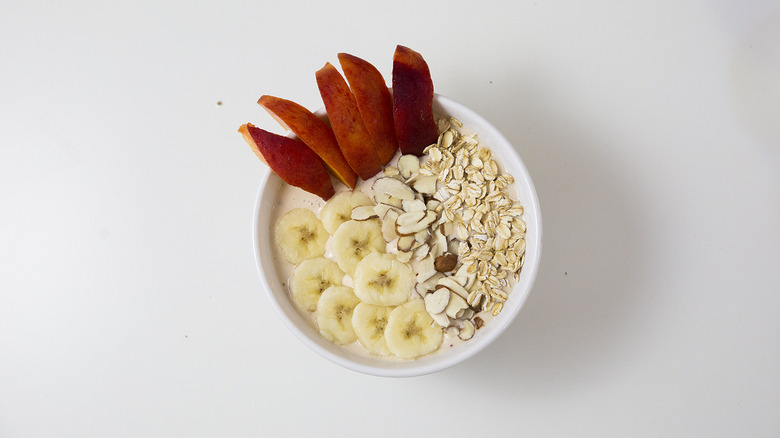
[(507, 156)]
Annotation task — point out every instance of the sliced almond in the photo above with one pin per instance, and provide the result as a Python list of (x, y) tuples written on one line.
[(452, 246), (454, 286), (430, 218), (451, 331), (382, 209), (437, 301), (422, 287), (436, 249), (392, 245), (408, 166), (424, 269), (390, 171), (410, 218), (467, 271), (420, 290), (433, 204), (405, 243), (461, 280), (403, 256), (363, 212), (410, 205), (468, 313), (438, 243), (431, 283), (447, 228), (467, 268), (442, 319), (467, 331), (388, 225), (414, 222), (455, 304), (421, 236), (394, 188), (425, 184), (384, 198), (421, 252)]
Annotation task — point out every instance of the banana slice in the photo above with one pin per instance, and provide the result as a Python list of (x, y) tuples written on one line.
[(311, 278), (410, 331), (338, 209), (334, 314), (300, 235), (382, 280), (369, 322), (354, 240)]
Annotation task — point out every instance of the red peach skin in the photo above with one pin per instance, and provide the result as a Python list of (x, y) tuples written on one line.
[(292, 160), (374, 102), (413, 102), (344, 115), (312, 131)]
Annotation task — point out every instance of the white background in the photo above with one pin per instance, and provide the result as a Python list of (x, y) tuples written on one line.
[(130, 305)]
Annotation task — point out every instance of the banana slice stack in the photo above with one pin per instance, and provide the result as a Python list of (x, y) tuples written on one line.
[(377, 312), (391, 281)]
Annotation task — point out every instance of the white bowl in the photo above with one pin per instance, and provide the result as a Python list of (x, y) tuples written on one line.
[(507, 156)]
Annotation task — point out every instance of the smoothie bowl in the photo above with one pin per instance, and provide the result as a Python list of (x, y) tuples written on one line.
[(453, 236)]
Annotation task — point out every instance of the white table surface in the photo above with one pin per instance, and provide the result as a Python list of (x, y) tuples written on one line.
[(130, 305)]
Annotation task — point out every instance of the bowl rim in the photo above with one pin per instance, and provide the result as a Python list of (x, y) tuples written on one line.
[(451, 360)]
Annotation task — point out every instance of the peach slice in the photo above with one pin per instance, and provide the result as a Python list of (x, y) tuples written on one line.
[(413, 102), (347, 123), (374, 102), (291, 159), (312, 131)]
